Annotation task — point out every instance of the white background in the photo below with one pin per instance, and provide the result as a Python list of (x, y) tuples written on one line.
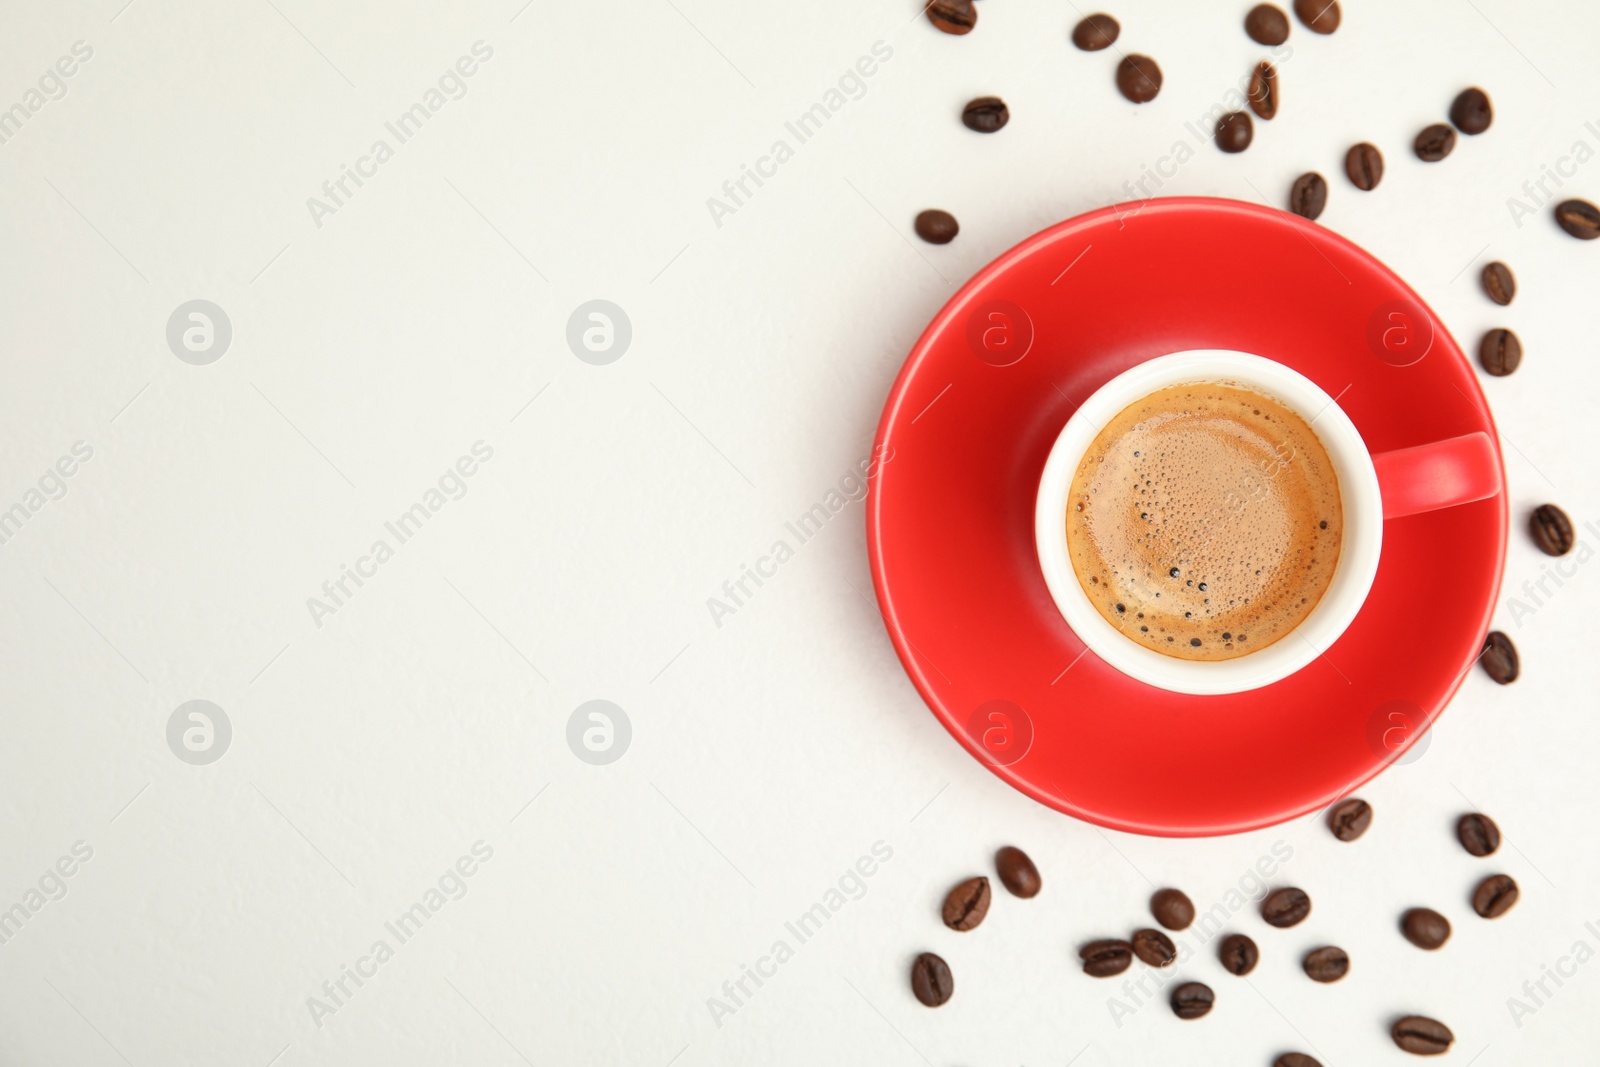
[(771, 752)]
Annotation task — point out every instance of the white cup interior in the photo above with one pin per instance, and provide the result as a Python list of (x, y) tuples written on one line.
[(1358, 554)]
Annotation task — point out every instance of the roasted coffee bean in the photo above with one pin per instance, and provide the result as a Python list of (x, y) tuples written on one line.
[(1499, 283), (1319, 16), (1267, 25), (1478, 834), (1017, 872), (930, 980), (937, 227), (1425, 928), (1192, 1000), (967, 904), (1102, 959), (1309, 195), (1264, 90), (1326, 964), (1295, 1059), (1499, 658), (1350, 818), (1579, 218), (1472, 111), (953, 16), (1138, 78), (1096, 32), (1235, 131), (1494, 896), (1364, 164), (986, 114), (1500, 352), (1422, 1035), (1154, 947), (1434, 143), (1172, 908), (1285, 907), (1551, 529), (1238, 954)]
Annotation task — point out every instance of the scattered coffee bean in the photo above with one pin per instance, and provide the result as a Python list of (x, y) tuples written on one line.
[(1267, 25), (953, 16), (1425, 928), (1295, 1059), (1326, 964), (1238, 954), (1017, 872), (1172, 908), (1499, 658), (967, 904), (1350, 818), (1421, 1035), (1102, 959), (1579, 218), (1319, 16), (1309, 195), (1364, 164), (1500, 352), (1494, 896), (1434, 143), (986, 114), (937, 227), (1551, 529), (1264, 90), (1472, 111), (1096, 32), (1478, 834), (1285, 907), (1499, 283), (930, 980), (1234, 132), (1138, 78), (1192, 1000), (1154, 947)]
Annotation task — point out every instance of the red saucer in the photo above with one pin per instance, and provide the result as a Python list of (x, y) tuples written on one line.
[(971, 418)]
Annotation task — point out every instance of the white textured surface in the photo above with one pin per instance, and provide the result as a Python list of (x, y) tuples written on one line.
[(771, 752)]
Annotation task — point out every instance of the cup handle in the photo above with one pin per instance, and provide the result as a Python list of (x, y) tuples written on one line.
[(1441, 474)]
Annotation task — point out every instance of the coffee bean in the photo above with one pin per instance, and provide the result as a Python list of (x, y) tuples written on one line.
[(1295, 1059), (1472, 111), (937, 227), (1499, 283), (1425, 928), (930, 980), (1551, 529), (1017, 872), (986, 114), (1238, 954), (1138, 78), (1267, 25), (1500, 352), (1309, 195), (1285, 907), (1192, 1000), (1350, 818), (1264, 90), (1102, 959), (1096, 32), (1421, 1035), (1499, 658), (1434, 143), (953, 16), (1579, 218), (1154, 947), (1364, 164), (1319, 16), (1172, 908), (1326, 964), (1494, 896), (1235, 131), (967, 904), (1478, 834)]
